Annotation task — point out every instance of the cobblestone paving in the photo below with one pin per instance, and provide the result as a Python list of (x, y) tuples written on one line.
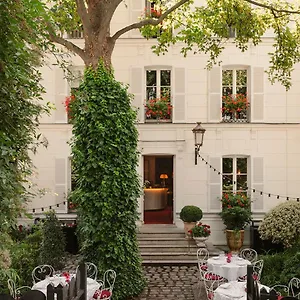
[(169, 282), (163, 282)]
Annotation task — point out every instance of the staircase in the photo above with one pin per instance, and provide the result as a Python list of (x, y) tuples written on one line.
[(166, 244)]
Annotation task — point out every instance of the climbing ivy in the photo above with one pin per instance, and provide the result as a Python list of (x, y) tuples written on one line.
[(22, 40), (105, 161)]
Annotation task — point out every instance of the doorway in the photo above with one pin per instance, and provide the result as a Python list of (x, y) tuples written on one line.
[(158, 189)]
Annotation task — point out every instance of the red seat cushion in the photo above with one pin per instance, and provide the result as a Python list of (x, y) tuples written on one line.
[(213, 277), (204, 267), (102, 294)]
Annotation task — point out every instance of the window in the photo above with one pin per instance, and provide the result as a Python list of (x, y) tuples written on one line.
[(235, 103), (158, 95), (235, 174)]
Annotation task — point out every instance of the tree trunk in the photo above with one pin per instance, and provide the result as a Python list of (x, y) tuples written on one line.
[(96, 50)]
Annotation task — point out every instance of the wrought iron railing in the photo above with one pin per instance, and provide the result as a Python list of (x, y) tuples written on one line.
[(236, 117)]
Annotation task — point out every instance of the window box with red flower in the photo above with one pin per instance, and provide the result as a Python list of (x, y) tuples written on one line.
[(159, 109), (235, 108)]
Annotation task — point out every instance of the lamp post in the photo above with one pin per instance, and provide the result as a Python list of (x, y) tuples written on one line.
[(198, 135)]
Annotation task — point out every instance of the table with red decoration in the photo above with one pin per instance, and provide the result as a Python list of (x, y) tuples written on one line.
[(231, 269), (92, 285)]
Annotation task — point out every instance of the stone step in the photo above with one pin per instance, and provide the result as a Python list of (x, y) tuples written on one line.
[(161, 235), (164, 241), (167, 248), (169, 256)]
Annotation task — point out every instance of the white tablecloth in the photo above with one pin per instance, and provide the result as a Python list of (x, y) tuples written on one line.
[(92, 285), (231, 271), (233, 290)]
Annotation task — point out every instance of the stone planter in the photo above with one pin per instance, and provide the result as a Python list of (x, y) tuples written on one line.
[(235, 240), (188, 226), (200, 241)]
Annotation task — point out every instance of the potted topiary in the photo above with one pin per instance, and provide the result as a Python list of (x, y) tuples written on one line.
[(236, 215), (190, 214)]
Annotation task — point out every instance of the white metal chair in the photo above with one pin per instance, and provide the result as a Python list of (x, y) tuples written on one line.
[(202, 257), (249, 254), (14, 291), (91, 270), (211, 283), (105, 290), (257, 269), (279, 288), (294, 287), (39, 273)]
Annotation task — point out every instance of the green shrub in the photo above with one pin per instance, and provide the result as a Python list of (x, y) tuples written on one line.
[(191, 213), (53, 243), (282, 224), (25, 256), (279, 268)]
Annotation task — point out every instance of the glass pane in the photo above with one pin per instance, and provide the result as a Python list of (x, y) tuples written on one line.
[(165, 92), (241, 182), (241, 166), (241, 90), (226, 90), (227, 77), (151, 93), (151, 78), (227, 183), (165, 77), (241, 77), (227, 165)]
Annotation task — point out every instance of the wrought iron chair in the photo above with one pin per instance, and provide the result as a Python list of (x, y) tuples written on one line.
[(211, 283), (39, 273), (257, 269), (294, 287), (14, 291), (91, 270), (202, 257), (105, 290), (249, 254), (279, 288)]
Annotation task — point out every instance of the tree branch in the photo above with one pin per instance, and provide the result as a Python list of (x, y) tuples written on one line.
[(69, 45), (82, 12), (148, 21), (272, 8)]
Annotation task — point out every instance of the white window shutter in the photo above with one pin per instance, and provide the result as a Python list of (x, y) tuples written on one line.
[(215, 182), (258, 183), (214, 94), (179, 96), (136, 85), (137, 8), (60, 182), (60, 95), (257, 100)]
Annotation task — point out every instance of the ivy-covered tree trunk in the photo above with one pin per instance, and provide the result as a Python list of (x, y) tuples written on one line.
[(105, 159)]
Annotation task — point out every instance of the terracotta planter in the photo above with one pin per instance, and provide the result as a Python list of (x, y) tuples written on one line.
[(200, 241), (235, 240), (188, 226)]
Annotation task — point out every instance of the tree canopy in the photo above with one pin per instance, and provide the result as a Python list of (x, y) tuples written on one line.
[(197, 28)]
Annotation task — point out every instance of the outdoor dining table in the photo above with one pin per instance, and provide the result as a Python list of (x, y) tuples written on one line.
[(230, 270), (233, 290), (92, 285)]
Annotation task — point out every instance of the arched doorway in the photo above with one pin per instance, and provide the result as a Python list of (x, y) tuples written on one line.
[(158, 189)]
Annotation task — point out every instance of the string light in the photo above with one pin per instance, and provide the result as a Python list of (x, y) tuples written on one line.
[(247, 188), (50, 207)]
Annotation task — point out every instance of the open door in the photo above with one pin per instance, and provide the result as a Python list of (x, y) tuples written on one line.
[(158, 189)]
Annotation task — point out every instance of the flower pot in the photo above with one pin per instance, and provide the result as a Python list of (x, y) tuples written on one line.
[(200, 241), (188, 226), (235, 239)]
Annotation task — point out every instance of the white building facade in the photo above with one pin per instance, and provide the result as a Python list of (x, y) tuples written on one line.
[(259, 149)]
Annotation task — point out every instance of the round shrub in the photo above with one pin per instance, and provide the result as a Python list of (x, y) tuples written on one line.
[(282, 224), (191, 213)]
